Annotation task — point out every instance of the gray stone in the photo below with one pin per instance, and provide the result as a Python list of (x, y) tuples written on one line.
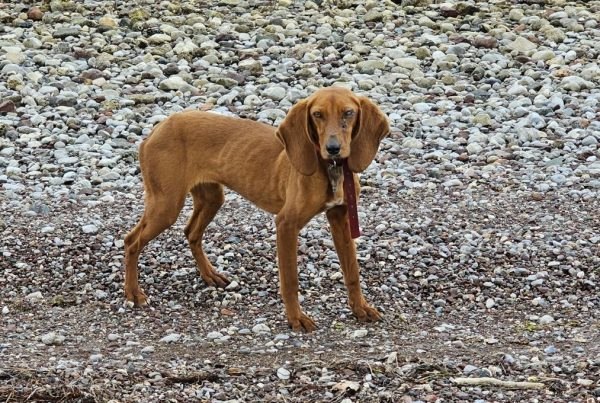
[(251, 65), (283, 374), (369, 66), (261, 328), (64, 32), (411, 142), (521, 44), (275, 93), (52, 339), (360, 333), (89, 229), (171, 338)]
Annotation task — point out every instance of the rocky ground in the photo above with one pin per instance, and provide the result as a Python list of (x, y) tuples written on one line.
[(481, 231)]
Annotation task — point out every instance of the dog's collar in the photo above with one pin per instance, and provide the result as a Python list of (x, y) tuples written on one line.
[(349, 190), (350, 196)]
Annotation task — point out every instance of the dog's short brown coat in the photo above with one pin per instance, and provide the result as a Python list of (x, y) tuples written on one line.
[(282, 171)]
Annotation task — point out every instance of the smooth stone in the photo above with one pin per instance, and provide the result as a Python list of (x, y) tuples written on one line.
[(171, 338), (369, 66), (52, 339), (360, 333), (89, 229), (522, 44), (261, 328), (275, 93)]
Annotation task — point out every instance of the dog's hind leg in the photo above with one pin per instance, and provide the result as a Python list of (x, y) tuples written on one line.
[(160, 213), (208, 198)]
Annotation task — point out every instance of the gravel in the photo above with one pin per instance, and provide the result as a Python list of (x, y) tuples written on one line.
[(481, 232)]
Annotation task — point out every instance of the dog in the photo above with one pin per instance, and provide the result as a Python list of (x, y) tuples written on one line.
[(293, 171)]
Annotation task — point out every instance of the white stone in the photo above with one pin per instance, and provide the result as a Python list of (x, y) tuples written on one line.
[(34, 297), (52, 339), (360, 333), (89, 229), (522, 44), (261, 328), (158, 39), (275, 93), (412, 143), (186, 46), (171, 338), (283, 374), (214, 335)]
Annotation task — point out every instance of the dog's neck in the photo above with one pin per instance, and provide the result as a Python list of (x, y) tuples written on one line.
[(334, 173), (336, 170)]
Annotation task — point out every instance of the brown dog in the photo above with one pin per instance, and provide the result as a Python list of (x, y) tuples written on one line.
[(285, 171)]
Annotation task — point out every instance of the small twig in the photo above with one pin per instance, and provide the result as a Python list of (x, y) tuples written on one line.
[(32, 393), (497, 382)]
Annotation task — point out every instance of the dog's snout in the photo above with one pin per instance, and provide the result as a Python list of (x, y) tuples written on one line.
[(333, 146)]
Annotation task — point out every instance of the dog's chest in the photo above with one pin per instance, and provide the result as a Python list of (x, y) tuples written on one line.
[(336, 180)]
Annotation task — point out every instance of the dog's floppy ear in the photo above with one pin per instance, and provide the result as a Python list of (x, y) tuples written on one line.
[(293, 132), (372, 127)]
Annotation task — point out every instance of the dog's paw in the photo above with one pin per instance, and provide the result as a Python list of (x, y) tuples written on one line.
[(302, 324), (136, 297), (214, 279), (366, 313)]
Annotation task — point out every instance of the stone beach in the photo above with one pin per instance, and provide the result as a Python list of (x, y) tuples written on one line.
[(480, 215)]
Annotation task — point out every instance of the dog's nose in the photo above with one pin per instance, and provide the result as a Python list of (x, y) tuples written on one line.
[(333, 146)]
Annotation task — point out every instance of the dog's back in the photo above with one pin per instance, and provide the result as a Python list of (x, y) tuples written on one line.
[(202, 147)]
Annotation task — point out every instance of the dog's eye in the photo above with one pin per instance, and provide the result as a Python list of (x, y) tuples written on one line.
[(317, 114), (349, 113)]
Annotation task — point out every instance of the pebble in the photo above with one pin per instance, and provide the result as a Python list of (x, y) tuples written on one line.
[(522, 44), (452, 183), (147, 350), (214, 335), (261, 328), (360, 333), (52, 339), (468, 369), (585, 382), (171, 338), (34, 297), (370, 66), (89, 229), (173, 83), (546, 320), (234, 285), (283, 374), (275, 93)]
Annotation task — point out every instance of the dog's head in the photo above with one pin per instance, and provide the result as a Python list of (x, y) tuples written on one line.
[(334, 124)]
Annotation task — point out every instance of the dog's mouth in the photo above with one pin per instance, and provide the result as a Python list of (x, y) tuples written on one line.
[(334, 157), (334, 160)]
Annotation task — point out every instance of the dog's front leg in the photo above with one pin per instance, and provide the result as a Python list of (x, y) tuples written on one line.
[(287, 248), (344, 244)]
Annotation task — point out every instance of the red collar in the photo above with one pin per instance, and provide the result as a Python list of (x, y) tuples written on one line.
[(350, 196)]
